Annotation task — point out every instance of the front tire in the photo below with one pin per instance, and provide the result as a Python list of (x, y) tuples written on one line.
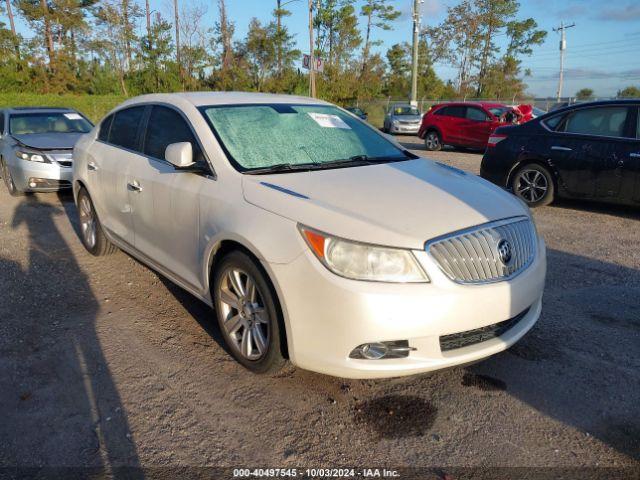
[(533, 184), (432, 141), (91, 233), (248, 313), (8, 181)]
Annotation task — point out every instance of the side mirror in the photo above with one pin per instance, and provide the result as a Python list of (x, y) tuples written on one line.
[(180, 155)]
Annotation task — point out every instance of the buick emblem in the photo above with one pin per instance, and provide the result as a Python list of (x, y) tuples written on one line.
[(504, 251)]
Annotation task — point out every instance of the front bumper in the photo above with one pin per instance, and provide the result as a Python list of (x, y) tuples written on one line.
[(40, 177), (328, 316), (409, 129)]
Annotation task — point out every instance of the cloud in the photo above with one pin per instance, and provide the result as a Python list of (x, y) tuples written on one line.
[(573, 11), (589, 74), (628, 13)]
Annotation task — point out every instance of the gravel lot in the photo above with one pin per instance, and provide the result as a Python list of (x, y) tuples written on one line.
[(104, 363)]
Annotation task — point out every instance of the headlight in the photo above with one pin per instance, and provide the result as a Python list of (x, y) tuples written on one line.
[(31, 156), (396, 122), (361, 261)]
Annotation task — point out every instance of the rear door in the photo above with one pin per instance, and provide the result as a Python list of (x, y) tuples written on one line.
[(451, 121), (112, 157), (165, 204)]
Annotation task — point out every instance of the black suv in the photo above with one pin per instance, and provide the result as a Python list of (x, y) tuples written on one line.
[(585, 151)]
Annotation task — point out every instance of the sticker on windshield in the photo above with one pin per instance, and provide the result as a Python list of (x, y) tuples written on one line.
[(73, 116), (329, 121)]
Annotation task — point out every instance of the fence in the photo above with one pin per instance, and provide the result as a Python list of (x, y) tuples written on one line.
[(376, 109)]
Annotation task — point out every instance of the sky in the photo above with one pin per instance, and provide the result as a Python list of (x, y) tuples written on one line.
[(603, 49)]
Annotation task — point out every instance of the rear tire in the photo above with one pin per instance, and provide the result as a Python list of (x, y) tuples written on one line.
[(248, 313), (533, 184), (432, 141), (91, 233), (8, 181)]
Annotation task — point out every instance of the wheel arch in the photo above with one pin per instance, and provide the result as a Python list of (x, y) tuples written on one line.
[(527, 160), (223, 246), (431, 128)]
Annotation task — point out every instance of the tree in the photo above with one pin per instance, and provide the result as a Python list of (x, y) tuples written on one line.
[(468, 39), (584, 94), (629, 92), (378, 14)]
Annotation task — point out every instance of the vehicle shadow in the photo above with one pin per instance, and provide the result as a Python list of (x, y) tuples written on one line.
[(581, 362), (61, 407), (623, 211)]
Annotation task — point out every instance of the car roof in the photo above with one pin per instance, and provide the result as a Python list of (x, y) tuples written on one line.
[(473, 104), (599, 103), (200, 99), (38, 109)]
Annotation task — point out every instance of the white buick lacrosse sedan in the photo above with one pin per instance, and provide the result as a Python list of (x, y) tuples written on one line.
[(314, 237)]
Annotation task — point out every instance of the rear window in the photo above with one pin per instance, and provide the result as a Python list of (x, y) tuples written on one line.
[(601, 121), (52, 122), (453, 111), (124, 129)]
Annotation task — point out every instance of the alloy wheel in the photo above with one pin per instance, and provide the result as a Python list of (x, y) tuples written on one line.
[(531, 185), (432, 141), (87, 221), (245, 318)]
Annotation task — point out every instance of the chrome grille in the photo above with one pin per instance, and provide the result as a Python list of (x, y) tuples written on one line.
[(62, 159), (472, 256)]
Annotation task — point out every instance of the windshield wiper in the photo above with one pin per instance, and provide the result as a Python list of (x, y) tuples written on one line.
[(358, 160), (281, 167)]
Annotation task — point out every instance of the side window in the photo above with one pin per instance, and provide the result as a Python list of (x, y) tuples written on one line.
[(166, 126), (124, 128), (1, 122), (553, 122), (105, 126), (601, 121), (457, 111), (638, 126), (476, 114), (444, 111)]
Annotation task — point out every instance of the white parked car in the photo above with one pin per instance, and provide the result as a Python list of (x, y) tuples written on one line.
[(313, 236)]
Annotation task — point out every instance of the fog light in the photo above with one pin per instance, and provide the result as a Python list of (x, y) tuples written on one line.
[(382, 350), (374, 351)]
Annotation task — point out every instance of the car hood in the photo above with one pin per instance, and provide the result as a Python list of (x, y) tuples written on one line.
[(48, 141), (401, 204)]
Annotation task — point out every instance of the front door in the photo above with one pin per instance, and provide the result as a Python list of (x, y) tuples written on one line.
[(165, 200), (477, 127), (586, 151)]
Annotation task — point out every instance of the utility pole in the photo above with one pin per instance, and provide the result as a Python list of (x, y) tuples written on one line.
[(148, 15), (13, 29), (177, 21), (414, 61), (312, 61), (563, 46)]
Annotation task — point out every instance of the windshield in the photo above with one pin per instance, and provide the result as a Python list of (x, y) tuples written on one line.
[(56, 122), (499, 111), (405, 110), (262, 136)]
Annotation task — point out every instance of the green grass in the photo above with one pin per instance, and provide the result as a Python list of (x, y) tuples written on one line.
[(93, 106)]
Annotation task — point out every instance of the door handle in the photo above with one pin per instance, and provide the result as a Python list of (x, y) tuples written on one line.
[(561, 149), (134, 186), (635, 155), (92, 166)]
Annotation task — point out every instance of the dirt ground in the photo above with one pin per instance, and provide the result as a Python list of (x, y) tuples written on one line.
[(103, 363)]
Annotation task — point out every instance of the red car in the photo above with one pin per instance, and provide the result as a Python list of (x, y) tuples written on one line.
[(464, 124)]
